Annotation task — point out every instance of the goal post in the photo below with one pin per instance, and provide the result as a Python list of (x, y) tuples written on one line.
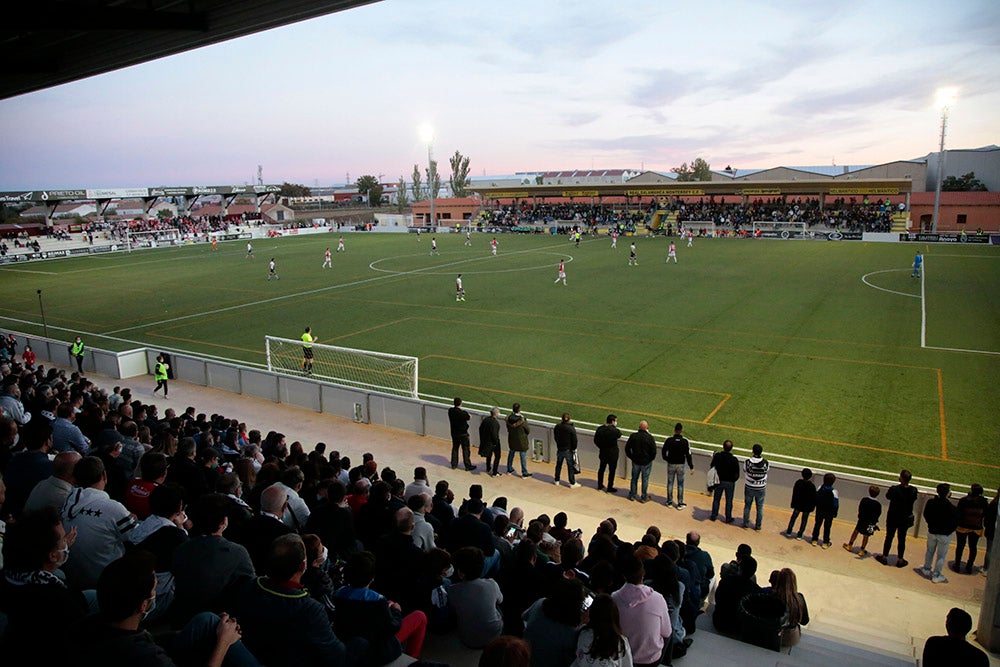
[(697, 226), (351, 367), (784, 230)]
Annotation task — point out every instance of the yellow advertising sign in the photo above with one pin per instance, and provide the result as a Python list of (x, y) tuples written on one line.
[(664, 193), (864, 191), (761, 191), (505, 195), (581, 193)]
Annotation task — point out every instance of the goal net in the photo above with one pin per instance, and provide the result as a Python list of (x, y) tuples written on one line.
[(782, 230), (363, 369), (151, 238), (698, 226)]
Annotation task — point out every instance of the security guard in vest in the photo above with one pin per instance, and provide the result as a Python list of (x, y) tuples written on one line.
[(76, 351), (307, 353), (160, 374)]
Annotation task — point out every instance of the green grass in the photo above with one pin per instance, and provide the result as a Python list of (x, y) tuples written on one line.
[(777, 342)]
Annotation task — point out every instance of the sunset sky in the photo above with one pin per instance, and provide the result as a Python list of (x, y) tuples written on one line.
[(524, 86)]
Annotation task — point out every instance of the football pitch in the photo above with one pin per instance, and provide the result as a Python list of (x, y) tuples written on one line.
[(824, 351)]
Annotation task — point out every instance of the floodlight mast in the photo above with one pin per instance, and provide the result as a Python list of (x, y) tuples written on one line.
[(427, 136), (944, 99)]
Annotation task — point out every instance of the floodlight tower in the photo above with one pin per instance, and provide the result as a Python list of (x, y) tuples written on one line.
[(944, 98), (427, 136)]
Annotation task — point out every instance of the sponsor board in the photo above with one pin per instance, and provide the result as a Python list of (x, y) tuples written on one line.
[(942, 238)]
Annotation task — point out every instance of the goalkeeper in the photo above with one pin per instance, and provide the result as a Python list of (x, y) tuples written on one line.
[(307, 352)]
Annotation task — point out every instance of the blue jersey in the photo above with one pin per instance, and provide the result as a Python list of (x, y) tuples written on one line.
[(918, 261)]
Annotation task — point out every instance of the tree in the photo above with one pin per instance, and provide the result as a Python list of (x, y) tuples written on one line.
[(415, 188), (459, 174), (163, 214), (433, 180), (402, 201), (369, 186), (698, 171), (294, 190), (965, 183)]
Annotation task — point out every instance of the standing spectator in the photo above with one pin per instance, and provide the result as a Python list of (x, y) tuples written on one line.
[(606, 438), (803, 502), (676, 452), (755, 485), (728, 468), (458, 419), (564, 434), (645, 617), (989, 530), (517, 440), (827, 508), (869, 511), (942, 519), (101, 524), (898, 518), (953, 649), (601, 642), (971, 514), (489, 441), (640, 448)]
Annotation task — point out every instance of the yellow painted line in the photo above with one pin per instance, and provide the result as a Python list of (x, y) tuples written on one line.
[(374, 328), (603, 408), (717, 408), (156, 334), (944, 433), (603, 378), (655, 341)]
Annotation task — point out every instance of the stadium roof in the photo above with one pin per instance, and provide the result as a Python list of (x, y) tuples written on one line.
[(45, 43)]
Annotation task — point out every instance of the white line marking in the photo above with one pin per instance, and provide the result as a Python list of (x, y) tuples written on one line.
[(305, 293), (959, 349), (569, 258), (865, 281), (923, 304), (44, 273)]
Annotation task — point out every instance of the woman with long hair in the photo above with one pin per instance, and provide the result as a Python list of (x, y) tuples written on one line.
[(786, 589), (601, 642)]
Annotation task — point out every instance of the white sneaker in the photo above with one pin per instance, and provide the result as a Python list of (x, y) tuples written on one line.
[(556, 482), (940, 579), (575, 485), (925, 572)]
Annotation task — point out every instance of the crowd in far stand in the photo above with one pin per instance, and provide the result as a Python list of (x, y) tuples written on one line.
[(149, 538)]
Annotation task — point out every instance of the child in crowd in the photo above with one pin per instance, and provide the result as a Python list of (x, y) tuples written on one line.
[(869, 511), (827, 507)]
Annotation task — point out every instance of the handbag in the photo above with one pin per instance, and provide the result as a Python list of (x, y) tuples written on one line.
[(576, 463), (712, 479), (871, 528)]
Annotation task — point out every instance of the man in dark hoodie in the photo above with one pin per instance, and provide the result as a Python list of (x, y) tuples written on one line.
[(640, 448), (942, 519)]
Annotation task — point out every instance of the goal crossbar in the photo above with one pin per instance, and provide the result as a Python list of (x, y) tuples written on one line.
[(351, 367)]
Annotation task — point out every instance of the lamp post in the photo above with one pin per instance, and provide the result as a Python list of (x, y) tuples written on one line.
[(427, 136), (945, 97), (45, 327)]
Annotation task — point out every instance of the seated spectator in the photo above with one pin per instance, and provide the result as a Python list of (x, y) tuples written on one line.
[(701, 564), (733, 566), (117, 479), (185, 472), (521, 586), (786, 589), (32, 595), (474, 601), (333, 522), (645, 617), (126, 593), (28, 467), (423, 532), (418, 485), (208, 567), (506, 651), (559, 530), (399, 563), (731, 589), (266, 525), (316, 578), (101, 524), (65, 434), (53, 491), (363, 613), (953, 649), (239, 512), (551, 623), (601, 641), (160, 534), (152, 472)]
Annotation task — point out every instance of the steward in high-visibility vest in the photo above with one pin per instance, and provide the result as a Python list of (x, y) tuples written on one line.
[(160, 374), (76, 351), (307, 353)]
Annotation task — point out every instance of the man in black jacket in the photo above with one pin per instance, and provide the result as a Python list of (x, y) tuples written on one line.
[(677, 452), (898, 518), (564, 434), (728, 468), (489, 441), (606, 438), (942, 520), (640, 448), (459, 421)]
